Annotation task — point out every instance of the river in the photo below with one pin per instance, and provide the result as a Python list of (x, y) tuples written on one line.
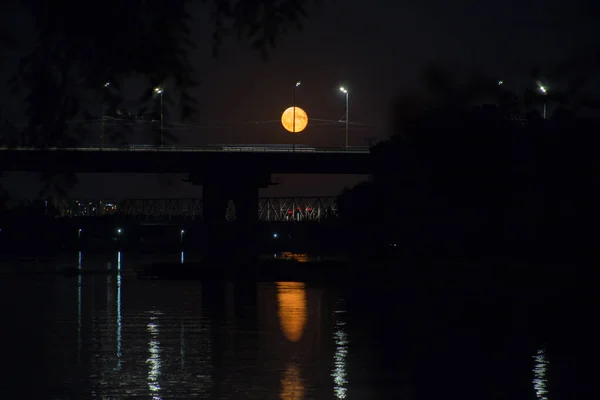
[(113, 336)]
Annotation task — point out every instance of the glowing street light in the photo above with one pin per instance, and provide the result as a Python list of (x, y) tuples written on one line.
[(544, 90), (181, 236), (159, 91), (294, 118), (106, 85), (345, 91)]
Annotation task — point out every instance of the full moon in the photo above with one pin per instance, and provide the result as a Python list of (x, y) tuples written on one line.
[(287, 119)]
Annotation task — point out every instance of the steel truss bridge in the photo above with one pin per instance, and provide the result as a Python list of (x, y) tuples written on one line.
[(270, 209)]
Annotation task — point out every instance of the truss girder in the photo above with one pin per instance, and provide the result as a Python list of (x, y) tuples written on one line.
[(270, 209), (160, 209)]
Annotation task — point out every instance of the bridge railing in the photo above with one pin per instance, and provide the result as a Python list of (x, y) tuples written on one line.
[(270, 209), (200, 149)]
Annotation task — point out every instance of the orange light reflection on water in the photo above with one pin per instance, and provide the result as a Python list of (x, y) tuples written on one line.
[(292, 309), (292, 386), (298, 257)]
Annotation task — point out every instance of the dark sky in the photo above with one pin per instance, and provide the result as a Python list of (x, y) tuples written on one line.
[(375, 48)]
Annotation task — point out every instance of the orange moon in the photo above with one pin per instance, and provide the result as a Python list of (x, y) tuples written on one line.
[(287, 119)]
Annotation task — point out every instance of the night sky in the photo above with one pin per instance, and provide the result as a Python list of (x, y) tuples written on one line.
[(374, 48)]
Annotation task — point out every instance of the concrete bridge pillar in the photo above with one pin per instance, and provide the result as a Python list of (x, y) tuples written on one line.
[(216, 199), (226, 240), (245, 200), (214, 203)]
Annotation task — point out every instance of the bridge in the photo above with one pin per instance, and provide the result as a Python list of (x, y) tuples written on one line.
[(227, 173), (229, 160), (270, 209)]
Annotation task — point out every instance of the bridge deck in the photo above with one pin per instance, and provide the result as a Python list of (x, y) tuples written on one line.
[(205, 149), (227, 160)]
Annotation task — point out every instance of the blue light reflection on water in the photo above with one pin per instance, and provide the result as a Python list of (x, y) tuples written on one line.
[(340, 338), (154, 359), (540, 370), (182, 345), (79, 305), (119, 309)]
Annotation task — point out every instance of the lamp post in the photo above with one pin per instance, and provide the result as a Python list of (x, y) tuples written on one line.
[(294, 117), (544, 90), (106, 84), (159, 91), (345, 91)]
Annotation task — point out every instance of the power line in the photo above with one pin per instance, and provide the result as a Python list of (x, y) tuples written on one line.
[(112, 121), (220, 126)]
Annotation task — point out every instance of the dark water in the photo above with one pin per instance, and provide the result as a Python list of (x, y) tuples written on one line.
[(117, 337)]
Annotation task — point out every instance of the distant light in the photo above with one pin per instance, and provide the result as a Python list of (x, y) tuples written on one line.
[(158, 90), (80, 229), (298, 83), (543, 89), (342, 89), (275, 235), (119, 230), (182, 231), (107, 84), (500, 83)]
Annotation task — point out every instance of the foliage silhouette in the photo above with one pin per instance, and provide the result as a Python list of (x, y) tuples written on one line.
[(7, 39), (80, 47), (464, 181)]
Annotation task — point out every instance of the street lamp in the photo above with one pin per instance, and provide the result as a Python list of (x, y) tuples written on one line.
[(159, 91), (544, 90), (106, 84), (181, 236), (294, 118), (345, 91)]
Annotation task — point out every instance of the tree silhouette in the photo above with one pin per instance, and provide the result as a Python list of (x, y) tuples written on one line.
[(444, 89), (464, 178), (569, 79), (7, 39), (81, 46), (78, 51)]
